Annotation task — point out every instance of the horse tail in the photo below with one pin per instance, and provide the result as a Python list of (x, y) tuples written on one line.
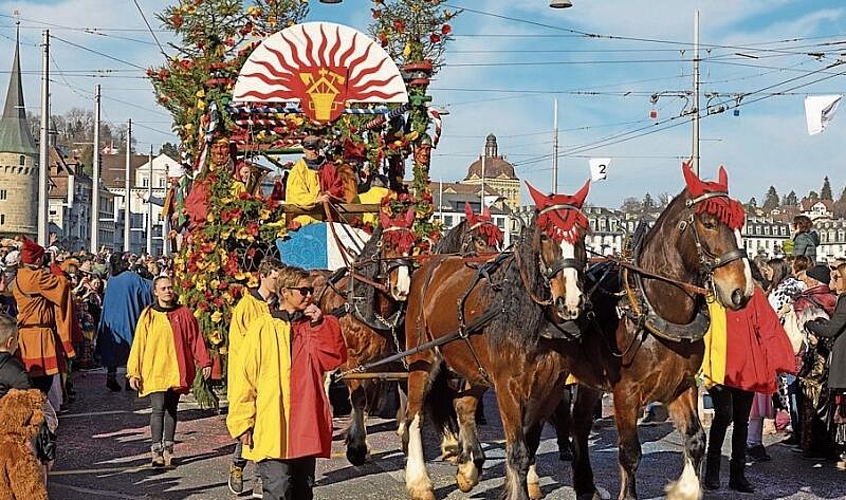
[(439, 402)]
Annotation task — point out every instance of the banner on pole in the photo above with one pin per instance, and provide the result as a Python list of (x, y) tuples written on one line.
[(599, 168), (819, 111)]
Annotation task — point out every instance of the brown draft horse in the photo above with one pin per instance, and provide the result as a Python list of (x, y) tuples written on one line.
[(371, 317), (646, 346), (507, 301)]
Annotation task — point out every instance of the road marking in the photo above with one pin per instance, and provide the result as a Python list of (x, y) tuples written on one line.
[(102, 470), (93, 414), (102, 493)]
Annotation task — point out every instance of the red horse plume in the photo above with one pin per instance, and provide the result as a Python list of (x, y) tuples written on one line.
[(728, 211), (484, 224), (397, 233), (560, 215)]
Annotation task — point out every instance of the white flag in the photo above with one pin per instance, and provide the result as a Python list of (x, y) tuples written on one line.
[(491, 199), (599, 168), (819, 111)]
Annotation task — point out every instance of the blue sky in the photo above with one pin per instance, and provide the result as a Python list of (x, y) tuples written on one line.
[(503, 73)]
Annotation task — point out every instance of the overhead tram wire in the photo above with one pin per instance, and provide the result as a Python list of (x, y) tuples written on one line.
[(150, 28), (574, 33), (97, 52)]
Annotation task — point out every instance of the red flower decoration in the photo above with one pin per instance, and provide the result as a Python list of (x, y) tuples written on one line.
[(399, 26), (446, 29), (434, 38), (376, 13)]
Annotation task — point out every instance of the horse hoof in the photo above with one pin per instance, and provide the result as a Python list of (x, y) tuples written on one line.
[(422, 494), (450, 457), (535, 492), (467, 477), (357, 455)]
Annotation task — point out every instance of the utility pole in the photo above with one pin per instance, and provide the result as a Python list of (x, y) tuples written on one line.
[(127, 213), (43, 145), (150, 206), (95, 178), (555, 147), (695, 153)]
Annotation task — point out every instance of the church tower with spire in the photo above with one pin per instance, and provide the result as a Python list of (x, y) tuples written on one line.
[(18, 161)]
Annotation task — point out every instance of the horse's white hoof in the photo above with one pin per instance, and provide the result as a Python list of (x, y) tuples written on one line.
[(421, 494), (467, 477)]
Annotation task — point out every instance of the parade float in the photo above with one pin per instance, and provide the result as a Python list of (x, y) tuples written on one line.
[(248, 84)]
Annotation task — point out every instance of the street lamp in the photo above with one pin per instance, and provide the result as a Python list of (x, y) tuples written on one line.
[(558, 4)]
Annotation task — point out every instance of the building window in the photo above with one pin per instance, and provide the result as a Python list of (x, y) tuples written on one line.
[(767, 230), (22, 160), (448, 221), (145, 182), (2, 219), (3, 194), (162, 182)]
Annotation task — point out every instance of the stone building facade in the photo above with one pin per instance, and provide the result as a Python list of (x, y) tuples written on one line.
[(498, 174)]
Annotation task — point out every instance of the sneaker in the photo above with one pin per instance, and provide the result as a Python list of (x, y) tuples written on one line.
[(158, 460), (167, 455), (236, 479), (258, 491), (758, 453)]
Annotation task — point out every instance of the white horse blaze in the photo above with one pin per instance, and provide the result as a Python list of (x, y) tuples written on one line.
[(747, 269), (573, 296), (403, 285)]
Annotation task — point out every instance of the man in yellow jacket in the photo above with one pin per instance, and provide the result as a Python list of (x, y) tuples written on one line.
[(283, 417), (255, 302), (165, 349), (313, 180)]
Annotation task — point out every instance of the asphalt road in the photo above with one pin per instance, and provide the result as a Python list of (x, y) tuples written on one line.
[(104, 454)]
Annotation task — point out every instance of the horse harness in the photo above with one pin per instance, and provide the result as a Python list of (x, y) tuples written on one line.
[(640, 310)]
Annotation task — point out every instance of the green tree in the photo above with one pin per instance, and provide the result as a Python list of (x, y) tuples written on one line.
[(791, 199), (172, 150), (648, 202), (825, 192), (752, 202), (771, 199)]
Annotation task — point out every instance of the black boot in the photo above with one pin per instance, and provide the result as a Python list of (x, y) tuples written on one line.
[(712, 473), (112, 383), (737, 479)]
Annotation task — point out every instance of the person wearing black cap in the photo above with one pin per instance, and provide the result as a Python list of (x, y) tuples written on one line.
[(313, 180), (834, 329)]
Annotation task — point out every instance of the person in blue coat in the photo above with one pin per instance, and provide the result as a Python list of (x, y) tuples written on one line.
[(127, 294)]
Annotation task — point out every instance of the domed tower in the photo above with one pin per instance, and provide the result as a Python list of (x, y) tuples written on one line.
[(498, 173), (18, 162)]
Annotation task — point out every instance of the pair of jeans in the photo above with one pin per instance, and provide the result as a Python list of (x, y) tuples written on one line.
[(731, 406), (287, 479), (163, 418)]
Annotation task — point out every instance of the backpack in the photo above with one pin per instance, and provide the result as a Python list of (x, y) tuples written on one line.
[(794, 329)]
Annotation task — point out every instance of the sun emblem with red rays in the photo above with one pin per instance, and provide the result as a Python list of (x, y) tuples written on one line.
[(324, 66)]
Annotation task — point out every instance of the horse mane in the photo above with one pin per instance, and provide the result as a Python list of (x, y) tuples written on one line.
[(521, 318), (367, 266), (452, 240)]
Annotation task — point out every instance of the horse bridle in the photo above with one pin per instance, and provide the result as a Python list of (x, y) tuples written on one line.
[(390, 264), (709, 262), (549, 272)]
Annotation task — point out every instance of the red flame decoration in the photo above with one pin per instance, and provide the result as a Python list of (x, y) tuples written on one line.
[(561, 224), (729, 211), (483, 223), (397, 233), (324, 84)]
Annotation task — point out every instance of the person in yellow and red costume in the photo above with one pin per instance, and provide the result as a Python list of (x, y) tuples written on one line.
[(255, 303), (744, 351), (45, 317), (312, 180), (283, 418), (165, 349)]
